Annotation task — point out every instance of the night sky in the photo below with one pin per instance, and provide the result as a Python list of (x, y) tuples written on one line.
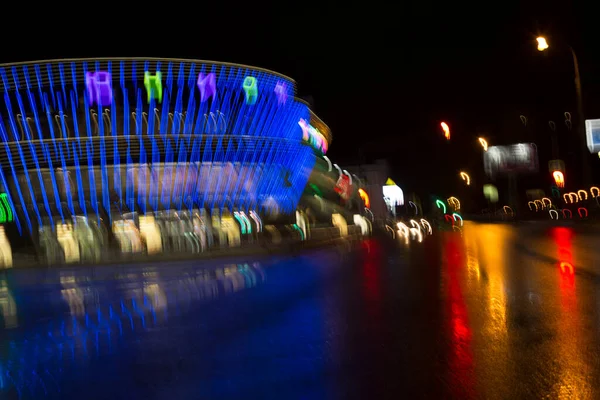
[(382, 75)]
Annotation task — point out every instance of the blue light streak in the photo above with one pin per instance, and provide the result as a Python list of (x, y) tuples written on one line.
[(221, 152)]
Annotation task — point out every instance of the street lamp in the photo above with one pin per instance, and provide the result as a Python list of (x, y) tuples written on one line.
[(542, 46), (465, 177), (484, 143), (446, 130)]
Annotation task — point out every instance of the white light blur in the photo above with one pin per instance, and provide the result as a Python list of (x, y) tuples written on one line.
[(415, 224), (393, 195), (417, 232), (328, 163), (389, 228), (425, 223)]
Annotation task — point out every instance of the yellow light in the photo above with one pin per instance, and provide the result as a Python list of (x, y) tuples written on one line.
[(559, 178), (542, 44), (484, 143), (363, 195), (549, 204), (465, 177), (446, 129), (453, 201)]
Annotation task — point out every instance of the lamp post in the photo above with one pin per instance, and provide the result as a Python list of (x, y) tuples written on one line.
[(542, 45)]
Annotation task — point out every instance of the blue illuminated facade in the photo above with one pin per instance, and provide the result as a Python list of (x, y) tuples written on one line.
[(105, 137)]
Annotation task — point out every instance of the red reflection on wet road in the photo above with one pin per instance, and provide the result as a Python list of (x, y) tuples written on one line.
[(562, 237), (371, 271), (461, 357)]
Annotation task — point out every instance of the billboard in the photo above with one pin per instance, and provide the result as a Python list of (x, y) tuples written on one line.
[(520, 158), (592, 134)]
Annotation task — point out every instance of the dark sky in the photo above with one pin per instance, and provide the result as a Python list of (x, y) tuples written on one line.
[(382, 75)]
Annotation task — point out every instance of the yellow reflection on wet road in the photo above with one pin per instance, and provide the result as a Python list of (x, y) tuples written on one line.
[(523, 293), (487, 259)]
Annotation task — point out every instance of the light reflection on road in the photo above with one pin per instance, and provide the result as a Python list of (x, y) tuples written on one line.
[(541, 335), (100, 311)]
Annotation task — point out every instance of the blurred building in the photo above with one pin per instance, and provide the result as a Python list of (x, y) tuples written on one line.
[(372, 178), (92, 145)]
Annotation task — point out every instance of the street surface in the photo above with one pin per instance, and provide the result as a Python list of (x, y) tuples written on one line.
[(499, 311)]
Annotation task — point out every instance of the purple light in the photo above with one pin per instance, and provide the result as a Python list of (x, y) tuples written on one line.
[(99, 87), (207, 85), (281, 92)]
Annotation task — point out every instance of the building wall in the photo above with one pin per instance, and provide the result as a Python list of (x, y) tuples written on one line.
[(373, 177)]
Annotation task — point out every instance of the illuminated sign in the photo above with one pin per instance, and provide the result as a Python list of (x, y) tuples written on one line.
[(207, 84), (281, 92), (99, 87), (153, 85), (592, 134), (516, 158), (313, 136), (343, 187), (251, 90), (392, 194)]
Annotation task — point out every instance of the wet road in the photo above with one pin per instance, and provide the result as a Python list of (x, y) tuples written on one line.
[(497, 312)]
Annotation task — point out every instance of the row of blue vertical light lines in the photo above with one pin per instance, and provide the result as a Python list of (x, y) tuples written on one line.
[(101, 317), (268, 118)]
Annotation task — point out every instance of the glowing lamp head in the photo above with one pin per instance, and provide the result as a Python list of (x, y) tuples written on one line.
[(542, 44), (559, 178), (484, 143), (446, 130)]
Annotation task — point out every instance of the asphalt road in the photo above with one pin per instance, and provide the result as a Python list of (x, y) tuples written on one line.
[(495, 312)]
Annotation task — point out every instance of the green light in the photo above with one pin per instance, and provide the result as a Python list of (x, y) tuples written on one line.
[(316, 190), (491, 193), (5, 206), (440, 204), (153, 85), (299, 230), (247, 222), (241, 222), (251, 89)]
